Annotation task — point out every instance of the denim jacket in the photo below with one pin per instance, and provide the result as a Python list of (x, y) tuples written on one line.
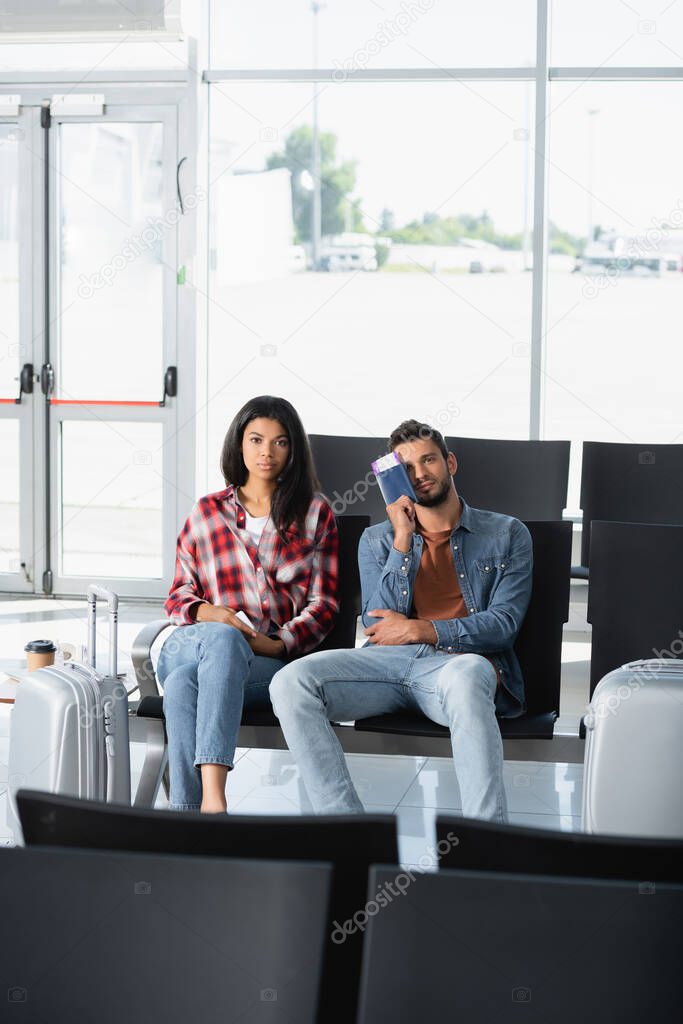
[(493, 558)]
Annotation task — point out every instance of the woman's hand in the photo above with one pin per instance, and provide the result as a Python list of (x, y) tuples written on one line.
[(218, 613), (266, 645), (259, 642)]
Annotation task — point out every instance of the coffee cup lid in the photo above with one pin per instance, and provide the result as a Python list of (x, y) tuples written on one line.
[(40, 647)]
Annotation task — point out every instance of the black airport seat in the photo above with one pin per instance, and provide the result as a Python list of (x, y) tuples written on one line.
[(487, 846), (629, 483), (635, 596), (346, 479), (349, 843), (483, 947), (525, 479), (126, 936)]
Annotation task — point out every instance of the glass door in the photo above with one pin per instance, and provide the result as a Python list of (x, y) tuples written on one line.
[(110, 371), (17, 572)]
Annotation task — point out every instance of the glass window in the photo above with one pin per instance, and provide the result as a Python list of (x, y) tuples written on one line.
[(614, 33), (411, 296), (365, 34), (615, 282), (110, 513), (9, 497), (9, 260), (113, 234)]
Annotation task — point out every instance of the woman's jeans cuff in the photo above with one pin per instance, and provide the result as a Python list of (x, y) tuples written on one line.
[(227, 762)]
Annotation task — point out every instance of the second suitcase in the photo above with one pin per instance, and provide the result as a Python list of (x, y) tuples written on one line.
[(633, 763)]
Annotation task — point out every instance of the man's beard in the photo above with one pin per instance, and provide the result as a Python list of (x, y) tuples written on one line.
[(435, 499)]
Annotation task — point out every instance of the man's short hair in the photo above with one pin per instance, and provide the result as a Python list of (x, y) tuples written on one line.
[(413, 430)]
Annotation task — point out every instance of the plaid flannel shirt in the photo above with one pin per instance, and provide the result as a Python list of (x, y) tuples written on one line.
[(288, 590)]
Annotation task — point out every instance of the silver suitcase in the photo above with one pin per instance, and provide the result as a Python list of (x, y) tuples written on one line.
[(633, 762), (69, 725)]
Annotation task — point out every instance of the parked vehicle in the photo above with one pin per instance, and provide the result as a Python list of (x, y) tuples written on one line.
[(349, 250)]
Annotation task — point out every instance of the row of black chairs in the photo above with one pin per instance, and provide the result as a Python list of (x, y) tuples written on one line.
[(208, 917), (628, 483), (634, 607)]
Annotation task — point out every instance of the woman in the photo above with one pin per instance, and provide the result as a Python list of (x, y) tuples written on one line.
[(266, 546)]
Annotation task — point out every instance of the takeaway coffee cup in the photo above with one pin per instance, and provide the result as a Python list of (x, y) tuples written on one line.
[(40, 653)]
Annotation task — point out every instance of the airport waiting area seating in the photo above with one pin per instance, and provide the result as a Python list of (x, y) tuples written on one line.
[(343, 466), (538, 647), (113, 935), (522, 850), (635, 594), (468, 945), (515, 477), (348, 844), (506, 915), (628, 483), (526, 479)]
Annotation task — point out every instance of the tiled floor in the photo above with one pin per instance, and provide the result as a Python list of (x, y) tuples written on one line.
[(416, 789)]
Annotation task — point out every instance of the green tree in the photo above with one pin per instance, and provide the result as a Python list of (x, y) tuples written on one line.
[(436, 230), (562, 242), (339, 211), (387, 221)]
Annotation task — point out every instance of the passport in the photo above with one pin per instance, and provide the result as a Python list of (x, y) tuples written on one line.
[(392, 477)]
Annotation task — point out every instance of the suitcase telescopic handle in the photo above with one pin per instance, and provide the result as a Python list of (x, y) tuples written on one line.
[(94, 592)]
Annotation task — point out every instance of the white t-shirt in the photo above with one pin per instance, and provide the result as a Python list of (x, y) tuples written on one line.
[(254, 526)]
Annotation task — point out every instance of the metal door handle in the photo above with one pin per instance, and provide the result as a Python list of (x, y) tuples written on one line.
[(170, 384), (25, 381), (47, 379)]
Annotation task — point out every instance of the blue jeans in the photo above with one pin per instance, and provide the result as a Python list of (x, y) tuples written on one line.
[(339, 686), (209, 674)]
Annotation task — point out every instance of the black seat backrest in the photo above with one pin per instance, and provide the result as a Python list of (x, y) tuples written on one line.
[(462, 945), (343, 633), (487, 846), (634, 595), (525, 479), (630, 483), (192, 939), (346, 479), (350, 843), (539, 643)]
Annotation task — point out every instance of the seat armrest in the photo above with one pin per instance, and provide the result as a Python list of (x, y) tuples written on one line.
[(142, 660)]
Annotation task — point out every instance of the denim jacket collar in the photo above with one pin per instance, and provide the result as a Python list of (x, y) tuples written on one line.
[(467, 519)]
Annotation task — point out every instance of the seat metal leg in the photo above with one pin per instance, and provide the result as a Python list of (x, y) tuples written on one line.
[(155, 766)]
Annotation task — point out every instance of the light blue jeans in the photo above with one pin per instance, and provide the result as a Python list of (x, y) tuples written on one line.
[(209, 674), (455, 690)]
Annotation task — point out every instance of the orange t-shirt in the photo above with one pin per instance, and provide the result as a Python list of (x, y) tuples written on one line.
[(436, 592)]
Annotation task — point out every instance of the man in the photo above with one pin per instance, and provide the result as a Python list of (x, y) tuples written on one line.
[(445, 588)]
